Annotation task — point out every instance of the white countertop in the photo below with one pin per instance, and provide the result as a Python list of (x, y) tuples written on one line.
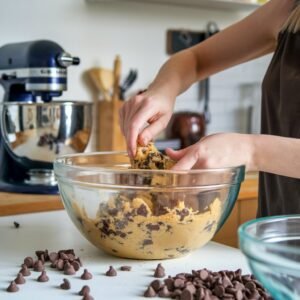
[(54, 231)]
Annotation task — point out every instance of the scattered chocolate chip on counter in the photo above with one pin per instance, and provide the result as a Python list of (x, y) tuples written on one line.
[(38, 266), (85, 290), (20, 279), (76, 265), (43, 277), (160, 271), (53, 257), (111, 272), (86, 275), (208, 285), (150, 292), (66, 285), (12, 288), (25, 271), (42, 255), (69, 269), (16, 224), (28, 261), (87, 297), (125, 268)]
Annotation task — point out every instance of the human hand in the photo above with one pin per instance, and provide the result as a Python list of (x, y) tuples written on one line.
[(216, 151), (152, 107)]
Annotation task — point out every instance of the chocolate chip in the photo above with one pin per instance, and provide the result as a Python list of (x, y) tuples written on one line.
[(150, 293), (111, 272), (28, 261), (20, 279), (250, 286), (203, 274), (25, 271), (64, 256), (125, 268), (219, 291), (16, 224), (43, 277), (147, 242), (169, 282), (12, 288), (69, 269), (153, 227), (53, 256), (179, 283), (142, 210), (38, 266), (76, 265), (86, 275), (160, 271), (84, 290), (60, 264), (156, 285), (164, 292), (87, 297), (186, 295), (66, 285)]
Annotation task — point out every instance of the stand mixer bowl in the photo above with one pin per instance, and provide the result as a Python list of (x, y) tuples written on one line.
[(42, 131)]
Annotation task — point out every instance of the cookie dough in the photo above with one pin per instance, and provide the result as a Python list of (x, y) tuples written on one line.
[(152, 224), (149, 157), (137, 228)]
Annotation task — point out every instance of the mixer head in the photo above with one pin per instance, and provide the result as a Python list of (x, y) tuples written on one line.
[(32, 69)]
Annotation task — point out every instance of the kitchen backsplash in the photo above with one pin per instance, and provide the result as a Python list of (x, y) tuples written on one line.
[(97, 32)]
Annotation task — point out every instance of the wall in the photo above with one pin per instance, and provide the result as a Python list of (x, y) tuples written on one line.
[(97, 32)]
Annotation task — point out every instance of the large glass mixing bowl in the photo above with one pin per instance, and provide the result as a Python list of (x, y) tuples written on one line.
[(272, 246), (145, 214)]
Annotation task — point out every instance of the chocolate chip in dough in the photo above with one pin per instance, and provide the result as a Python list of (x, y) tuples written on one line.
[(28, 261), (12, 288), (84, 290), (66, 285), (43, 277), (20, 279), (150, 293), (25, 271), (86, 275), (125, 268), (111, 272), (160, 271)]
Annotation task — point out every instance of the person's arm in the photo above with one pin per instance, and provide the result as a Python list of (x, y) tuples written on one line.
[(266, 153), (252, 37)]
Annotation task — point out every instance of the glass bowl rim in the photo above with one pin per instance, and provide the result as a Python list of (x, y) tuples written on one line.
[(243, 234), (58, 162)]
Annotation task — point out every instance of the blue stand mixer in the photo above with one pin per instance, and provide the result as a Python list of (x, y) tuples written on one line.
[(34, 127)]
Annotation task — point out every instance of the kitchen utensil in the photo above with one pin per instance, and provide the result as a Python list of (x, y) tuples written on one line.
[(272, 247), (110, 136), (145, 214), (34, 129), (128, 82), (103, 80), (188, 127)]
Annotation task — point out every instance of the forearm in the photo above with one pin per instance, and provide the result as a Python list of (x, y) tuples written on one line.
[(278, 155), (177, 74)]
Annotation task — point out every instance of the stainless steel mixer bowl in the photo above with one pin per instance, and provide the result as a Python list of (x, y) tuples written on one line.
[(42, 131)]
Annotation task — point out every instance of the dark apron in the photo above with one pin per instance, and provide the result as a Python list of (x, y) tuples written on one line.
[(279, 195)]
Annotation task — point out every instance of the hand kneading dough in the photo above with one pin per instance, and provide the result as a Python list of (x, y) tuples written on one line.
[(152, 224)]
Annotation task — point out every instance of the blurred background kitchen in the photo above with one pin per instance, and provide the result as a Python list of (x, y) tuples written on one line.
[(98, 30)]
